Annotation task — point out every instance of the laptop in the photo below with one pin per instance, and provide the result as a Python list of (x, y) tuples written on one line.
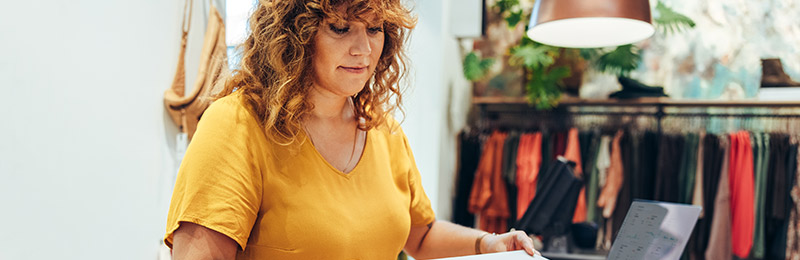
[(654, 230)]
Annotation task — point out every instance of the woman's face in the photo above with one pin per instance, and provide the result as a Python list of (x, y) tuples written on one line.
[(346, 53)]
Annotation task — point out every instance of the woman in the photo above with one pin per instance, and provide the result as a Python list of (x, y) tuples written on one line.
[(300, 158)]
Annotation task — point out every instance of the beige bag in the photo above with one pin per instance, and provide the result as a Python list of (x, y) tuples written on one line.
[(186, 110)]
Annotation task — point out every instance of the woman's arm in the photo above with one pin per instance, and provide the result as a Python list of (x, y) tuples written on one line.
[(445, 239), (193, 241)]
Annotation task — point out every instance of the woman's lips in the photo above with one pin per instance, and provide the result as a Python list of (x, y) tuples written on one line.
[(356, 70)]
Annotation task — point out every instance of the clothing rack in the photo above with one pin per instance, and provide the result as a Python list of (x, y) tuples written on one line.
[(490, 108), (509, 112)]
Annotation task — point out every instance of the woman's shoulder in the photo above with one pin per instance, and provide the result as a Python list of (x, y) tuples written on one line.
[(390, 127), (391, 131), (230, 107), (228, 116)]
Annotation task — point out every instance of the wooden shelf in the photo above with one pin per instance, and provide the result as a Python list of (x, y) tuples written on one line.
[(660, 101)]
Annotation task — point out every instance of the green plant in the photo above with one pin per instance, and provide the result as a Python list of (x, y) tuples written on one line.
[(476, 68), (544, 77), (670, 21)]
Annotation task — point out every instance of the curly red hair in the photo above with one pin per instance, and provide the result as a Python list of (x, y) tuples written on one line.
[(276, 74)]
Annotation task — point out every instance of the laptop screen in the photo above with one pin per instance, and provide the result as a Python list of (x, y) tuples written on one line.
[(654, 230)]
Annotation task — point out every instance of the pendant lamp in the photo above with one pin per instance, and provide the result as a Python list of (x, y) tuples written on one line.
[(590, 23)]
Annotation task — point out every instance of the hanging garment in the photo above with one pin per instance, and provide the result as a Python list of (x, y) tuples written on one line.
[(529, 159), (719, 241), (186, 110), (697, 196), (468, 156), (648, 157), (603, 165), (547, 155), (778, 186), (624, 199), (510, 175), (604, 160), (559, 144), (591, 180), (572, 152), (760, 195), (610, 191), (632, 160), (510, 147), (742, 194), (687, 168), (549, 214), (585, 139), (793, 170), (793, 231), (692, 247), (669, 161), (712, 157), (488, 198), (522, 154)]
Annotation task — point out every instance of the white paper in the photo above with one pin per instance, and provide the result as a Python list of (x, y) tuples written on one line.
[(654, 230), (513, 255)]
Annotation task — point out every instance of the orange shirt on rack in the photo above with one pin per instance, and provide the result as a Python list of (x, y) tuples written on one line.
[(529, 158), (489, 198), (573, 153)]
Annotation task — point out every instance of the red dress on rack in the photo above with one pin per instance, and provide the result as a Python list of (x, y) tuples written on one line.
[(742, 194)]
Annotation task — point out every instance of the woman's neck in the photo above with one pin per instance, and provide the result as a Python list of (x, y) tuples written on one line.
[(329, 107)]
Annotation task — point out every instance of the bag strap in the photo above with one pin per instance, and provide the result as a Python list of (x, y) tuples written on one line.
[(187, 23), (187, 16), (179, 83)]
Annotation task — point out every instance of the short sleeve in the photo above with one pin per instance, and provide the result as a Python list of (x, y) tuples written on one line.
[(420, 208), (219, 185)]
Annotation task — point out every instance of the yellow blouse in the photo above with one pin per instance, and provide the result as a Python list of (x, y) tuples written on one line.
[(287, 202)]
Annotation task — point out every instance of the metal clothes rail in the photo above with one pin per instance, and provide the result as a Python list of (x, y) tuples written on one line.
[(491, 108)]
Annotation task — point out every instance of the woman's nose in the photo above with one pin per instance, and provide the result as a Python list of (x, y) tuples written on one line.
[(360, 44)]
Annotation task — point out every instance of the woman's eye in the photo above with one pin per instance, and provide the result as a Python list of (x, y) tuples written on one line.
[(338, 30), (375, 30)]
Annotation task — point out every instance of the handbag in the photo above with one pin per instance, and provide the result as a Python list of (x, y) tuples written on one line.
[(186, 109)]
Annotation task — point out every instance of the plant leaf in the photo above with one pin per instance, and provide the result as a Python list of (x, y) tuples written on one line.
[(543, 87), (533, 56), (476, 68), (670, 21), (513, 18), (556, 74), (590, 54), (506, 5), (620, 61)]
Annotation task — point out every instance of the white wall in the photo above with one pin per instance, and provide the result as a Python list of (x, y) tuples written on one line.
[(86, 149), (437, 101)]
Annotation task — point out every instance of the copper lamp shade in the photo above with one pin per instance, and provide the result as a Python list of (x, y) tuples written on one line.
[(590, 23)]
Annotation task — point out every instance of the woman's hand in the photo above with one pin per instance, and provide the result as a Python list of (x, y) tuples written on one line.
[(511, 241)]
